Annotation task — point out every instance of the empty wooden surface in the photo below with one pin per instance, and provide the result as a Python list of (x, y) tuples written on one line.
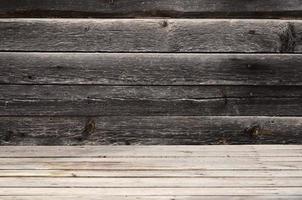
[(151, 35), (151, 8), (178, 172)]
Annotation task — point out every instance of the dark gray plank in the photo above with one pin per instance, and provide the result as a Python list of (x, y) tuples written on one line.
[(149, 130), (151, 35), (149, 100), (151, 8), (150, 69)]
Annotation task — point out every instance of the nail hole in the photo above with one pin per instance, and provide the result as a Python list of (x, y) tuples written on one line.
[(252, 32)]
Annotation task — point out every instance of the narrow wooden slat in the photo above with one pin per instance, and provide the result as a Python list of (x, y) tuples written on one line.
[(123, 101), (149, 130), (150, 69), (93, 197), (152, 163), (151, 151), (150, 35), (279, 197), (23, 182), (150, 8), (265, 173), (150, 191)]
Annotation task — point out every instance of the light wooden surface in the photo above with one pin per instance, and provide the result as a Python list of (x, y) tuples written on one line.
[(139, 172)]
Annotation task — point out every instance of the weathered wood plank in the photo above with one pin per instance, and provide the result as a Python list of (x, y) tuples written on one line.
[(93, 197), (58, 100), (149, 130), (151, 35), (265, 173), (150, 69), (229, 163), (151, 191), (151, 151), (150, 8), (29, 182), (207, 163), (153, 176)]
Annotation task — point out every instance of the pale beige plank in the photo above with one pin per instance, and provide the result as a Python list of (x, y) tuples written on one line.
[(154, 173), (209, 163), (146, 174), (150, 191), (151, 151), (100, 197), (23, 182)]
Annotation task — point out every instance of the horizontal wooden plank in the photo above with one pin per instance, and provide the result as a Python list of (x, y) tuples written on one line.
[(148, 176), (150, 69), (151, 8), (208, 163), (265, 173), (151, 151), (150, 191), (23, 182), (50, 100), (196, 197), (149, 130), (151, 35)]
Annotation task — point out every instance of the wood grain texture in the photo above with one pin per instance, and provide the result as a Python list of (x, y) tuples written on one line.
[(150, 69), (180, 177), (15, 182), (133, 197), (158, 151), (276, 174), (229, 163), (151, 35), (50, 100), (283, 191), (140, 130), (151, 8)]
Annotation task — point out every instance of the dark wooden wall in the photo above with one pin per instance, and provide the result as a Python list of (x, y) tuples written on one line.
[(150, 72)]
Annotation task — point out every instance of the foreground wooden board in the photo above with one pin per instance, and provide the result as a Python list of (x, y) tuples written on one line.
[(150, 8), (262, 174), (172, 175), (249, 191), (151, 35), (148, 130), (150, 69), (158, 151), (229, 163), (91, 182), (50, 100), (133, 197)]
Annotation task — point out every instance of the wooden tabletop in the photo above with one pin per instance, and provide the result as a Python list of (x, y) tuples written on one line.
[(151, 172)]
